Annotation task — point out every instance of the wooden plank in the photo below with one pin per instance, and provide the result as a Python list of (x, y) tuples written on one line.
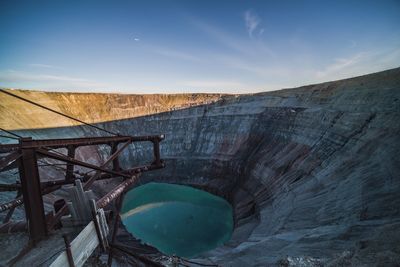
[(104, 227), (81, 247), (79, 207)]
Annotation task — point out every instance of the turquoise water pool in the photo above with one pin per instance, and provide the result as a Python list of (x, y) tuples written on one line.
[(177, 219)]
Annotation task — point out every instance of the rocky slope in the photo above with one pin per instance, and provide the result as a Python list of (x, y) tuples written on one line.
[(88, 107), (313, 172)]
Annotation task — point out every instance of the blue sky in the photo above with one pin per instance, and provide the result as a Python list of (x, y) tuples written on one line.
[(193, 46)]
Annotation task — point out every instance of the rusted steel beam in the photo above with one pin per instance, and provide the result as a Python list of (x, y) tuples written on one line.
[(69, 173), (64, 210), (13, 227), (134, 170), (14, 164), (11, 166), (11, 204), (101, 177), (91, 180), (19, 200), (114, 148), (9, 187), (68, 251), (116, 192), (11, 211), (6, 148), (77, 162), (118, 203), (65, 142), (84, 141), (32, 193), (156, 151), (4, 162)]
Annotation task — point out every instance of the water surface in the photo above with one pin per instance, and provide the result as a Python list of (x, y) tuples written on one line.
[(177, 219)]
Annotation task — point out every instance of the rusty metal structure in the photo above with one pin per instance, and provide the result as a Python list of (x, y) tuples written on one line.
[(25, 154)]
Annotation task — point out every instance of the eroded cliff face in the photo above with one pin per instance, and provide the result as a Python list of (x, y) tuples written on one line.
[(313, 173), (88, 107)]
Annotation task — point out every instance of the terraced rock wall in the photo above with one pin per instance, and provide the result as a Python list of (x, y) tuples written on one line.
[(313, 172)]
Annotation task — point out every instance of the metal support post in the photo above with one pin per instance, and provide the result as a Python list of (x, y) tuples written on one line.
[(156, 150), (69, 252), (69, 174), (31, 192), (117, 218), (114, 148)]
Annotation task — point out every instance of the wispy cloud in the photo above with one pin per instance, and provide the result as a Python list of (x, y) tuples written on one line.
[(340, 64), (233, 42), (359, 64), (48, 81), (252, 21), (37, 65), (221, 36)]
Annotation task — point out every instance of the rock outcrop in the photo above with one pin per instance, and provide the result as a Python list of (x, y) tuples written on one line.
[(313, 173)]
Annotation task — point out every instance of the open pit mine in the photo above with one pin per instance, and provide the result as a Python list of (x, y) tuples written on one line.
[(308, 176)]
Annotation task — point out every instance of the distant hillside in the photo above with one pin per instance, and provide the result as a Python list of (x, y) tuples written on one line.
[(89, 107)]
